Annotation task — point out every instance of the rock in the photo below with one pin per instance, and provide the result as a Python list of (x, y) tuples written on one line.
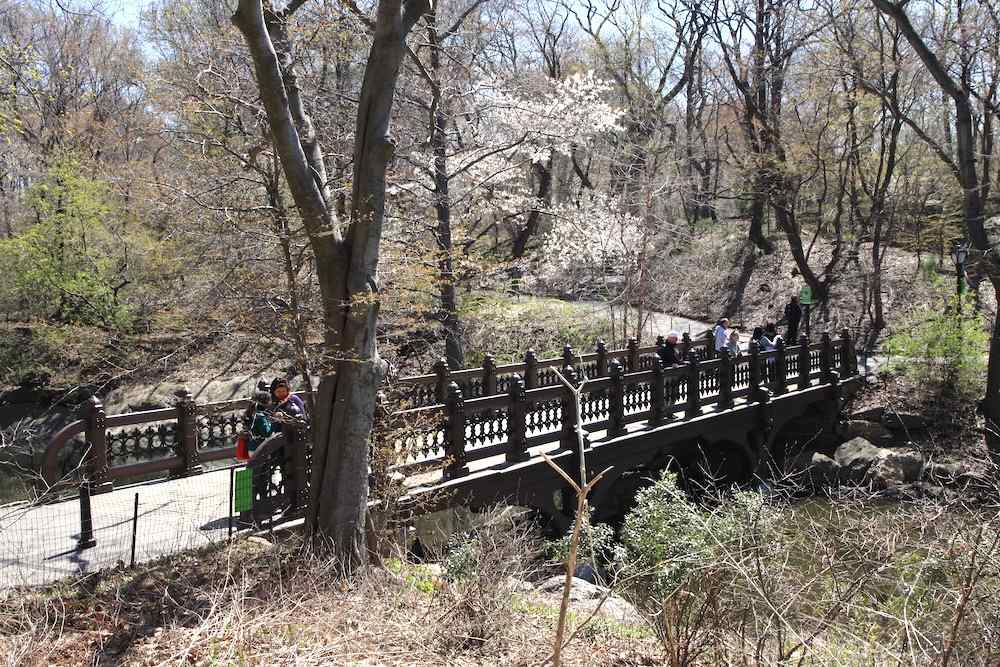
[(855, 457), (581, 590), (824, 470), (902, 421), (869, 415), (869, 430), (943, 473), (585, 597), (894, 467), (260, 541), (519, 585), (586, 572)]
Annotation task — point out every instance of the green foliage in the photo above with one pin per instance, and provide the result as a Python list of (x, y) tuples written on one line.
[(667, 538), (77, 255), (942, 348), (596, 546)]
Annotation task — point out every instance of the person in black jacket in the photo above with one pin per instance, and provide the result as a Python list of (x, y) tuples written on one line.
[(793, 315), (668, 351)]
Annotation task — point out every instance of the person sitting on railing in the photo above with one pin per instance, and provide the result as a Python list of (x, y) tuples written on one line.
[(285, 401), (764, 342), (668, 351)]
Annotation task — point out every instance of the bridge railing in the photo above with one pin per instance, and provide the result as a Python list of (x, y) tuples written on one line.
[(459, 431), (491, 379)]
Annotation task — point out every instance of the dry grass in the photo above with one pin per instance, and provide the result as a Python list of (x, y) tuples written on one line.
[(252, 604)]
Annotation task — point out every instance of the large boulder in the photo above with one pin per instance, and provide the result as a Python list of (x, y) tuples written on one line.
[(824, 470), (903, 422), (584, 599), (894, 467), (872, 431), (862, 462), (855, 457)]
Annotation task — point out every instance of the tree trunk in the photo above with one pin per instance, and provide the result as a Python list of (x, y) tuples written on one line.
[(346, 264)]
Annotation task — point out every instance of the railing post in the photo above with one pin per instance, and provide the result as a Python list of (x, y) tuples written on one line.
[(455, 446), (616, 399), (530, 370), (825, 358), (443, 374), (489, 375), (517, 441), (755, 379), (848, 360), (602, 359), (299, 440), (693, 388), (657, 394), (780, 369), (725, 380), (685, 345), (96, 465), (803, 362), (567, 437), (633, 355), (187, 434)]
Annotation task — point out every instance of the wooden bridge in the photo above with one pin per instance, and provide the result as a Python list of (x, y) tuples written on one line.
[(474, 436)]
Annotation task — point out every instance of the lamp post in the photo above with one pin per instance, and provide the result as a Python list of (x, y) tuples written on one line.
[(959, 253)]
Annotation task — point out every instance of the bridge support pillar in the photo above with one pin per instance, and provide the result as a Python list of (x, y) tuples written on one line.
[(517, 442), (96, 465), (616, 400), (455, 446), (803, 362)]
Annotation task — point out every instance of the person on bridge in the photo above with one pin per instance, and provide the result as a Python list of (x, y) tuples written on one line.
[(734, 344), (285, 401), (257, 422), (668, 351), (764, 342), (793, 315), (721, 334)]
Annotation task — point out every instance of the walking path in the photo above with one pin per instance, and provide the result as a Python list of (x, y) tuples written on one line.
[(39, 544)]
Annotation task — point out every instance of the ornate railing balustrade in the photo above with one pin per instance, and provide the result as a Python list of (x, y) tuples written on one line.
[(459, 430)]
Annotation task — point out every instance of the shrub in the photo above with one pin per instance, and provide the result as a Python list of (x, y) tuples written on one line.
[(942, 348)]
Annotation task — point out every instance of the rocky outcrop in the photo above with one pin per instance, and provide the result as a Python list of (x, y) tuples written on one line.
[(894, 472), (584, 599)]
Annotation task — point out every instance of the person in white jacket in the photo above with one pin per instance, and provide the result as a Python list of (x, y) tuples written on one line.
[(721, 333)]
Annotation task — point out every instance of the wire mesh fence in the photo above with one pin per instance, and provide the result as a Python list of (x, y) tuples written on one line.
[(130, 525)]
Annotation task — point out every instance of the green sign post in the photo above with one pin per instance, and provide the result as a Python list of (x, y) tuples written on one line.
[(805, 300)]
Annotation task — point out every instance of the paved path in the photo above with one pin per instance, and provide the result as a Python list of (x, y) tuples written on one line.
[(38, 544)]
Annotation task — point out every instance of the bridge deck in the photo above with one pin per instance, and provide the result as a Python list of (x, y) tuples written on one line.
[(38, 544)]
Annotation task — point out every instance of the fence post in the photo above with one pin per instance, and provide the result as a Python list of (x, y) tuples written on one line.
[(530, 370), (633, 355), (616, 399), (455, 448), (693, 388), (187, 434), (685, 345), (443, 374), (825, 358), (567, 437), (848, 359), (803, 362), (489, 375), (135, 528), (517, 441), (780, 369), (602, 359), (725, 380), (96, 465), (86, 539), (657, 394)]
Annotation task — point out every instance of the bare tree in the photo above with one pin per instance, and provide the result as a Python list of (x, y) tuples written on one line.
[(347, 251)]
